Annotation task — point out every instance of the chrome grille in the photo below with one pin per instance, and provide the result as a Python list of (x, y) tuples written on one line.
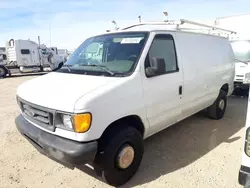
[(39, 115)]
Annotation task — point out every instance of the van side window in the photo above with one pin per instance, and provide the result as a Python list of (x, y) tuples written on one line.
[(163, 48), (25, 51)]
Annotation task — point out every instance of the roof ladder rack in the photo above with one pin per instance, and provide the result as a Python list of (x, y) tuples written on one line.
[(207, 26), (181, 22)]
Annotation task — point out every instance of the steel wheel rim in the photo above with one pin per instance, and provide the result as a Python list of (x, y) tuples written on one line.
[(222, 104), (125, 157)]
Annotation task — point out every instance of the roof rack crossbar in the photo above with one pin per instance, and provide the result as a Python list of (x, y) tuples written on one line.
[(208, 26), (151, 23), (181, 22)]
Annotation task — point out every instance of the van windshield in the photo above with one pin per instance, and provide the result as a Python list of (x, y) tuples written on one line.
[(107, 55), (241, 50)]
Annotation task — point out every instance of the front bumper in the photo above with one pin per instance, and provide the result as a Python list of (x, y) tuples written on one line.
[(244, 175), (60, 149)]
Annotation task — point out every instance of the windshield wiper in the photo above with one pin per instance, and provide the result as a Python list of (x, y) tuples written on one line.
[(100, 66), (68, 67), (238, 60)]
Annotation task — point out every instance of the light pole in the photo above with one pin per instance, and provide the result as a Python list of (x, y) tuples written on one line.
[(50, 34)]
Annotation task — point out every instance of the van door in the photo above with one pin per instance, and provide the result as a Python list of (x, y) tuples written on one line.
[(163, 93)]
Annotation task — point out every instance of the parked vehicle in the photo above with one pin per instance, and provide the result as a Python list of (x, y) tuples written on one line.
[(120, 88), (241, 50), (3, 57), (244, 172), (241, 46), (28, 56)]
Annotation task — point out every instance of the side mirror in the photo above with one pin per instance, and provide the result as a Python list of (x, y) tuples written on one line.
[(157, 67)]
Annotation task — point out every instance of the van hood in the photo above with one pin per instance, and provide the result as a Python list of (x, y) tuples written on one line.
[(60, 91)]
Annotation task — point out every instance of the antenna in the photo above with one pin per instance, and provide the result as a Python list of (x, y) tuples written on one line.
[(139, 17), (116, 27), (166, 15)]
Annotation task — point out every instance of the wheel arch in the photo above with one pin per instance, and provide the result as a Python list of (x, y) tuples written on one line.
[(225, 88), (60, 65), (131, 120)]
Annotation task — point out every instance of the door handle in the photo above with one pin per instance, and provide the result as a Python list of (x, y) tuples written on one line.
[(180, 90)]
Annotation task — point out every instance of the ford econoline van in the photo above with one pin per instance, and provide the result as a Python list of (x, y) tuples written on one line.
[(119, 88)]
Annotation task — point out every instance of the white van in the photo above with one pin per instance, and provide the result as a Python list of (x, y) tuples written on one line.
[(244, 172), (241, 50), (120, 88)]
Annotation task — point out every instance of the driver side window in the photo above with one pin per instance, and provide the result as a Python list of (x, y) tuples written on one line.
[(163, 47)]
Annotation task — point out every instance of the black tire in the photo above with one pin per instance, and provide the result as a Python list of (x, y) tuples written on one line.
[(217, 110), (106, 161), (237, 92), (41, 68), (60, 65), (3, 71)]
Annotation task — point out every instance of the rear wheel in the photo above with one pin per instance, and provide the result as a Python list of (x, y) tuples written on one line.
[(41, 68), (218, 108), (3, 71), (120, 156)]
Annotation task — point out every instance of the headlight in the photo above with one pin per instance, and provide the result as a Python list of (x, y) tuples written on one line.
[(80, 123), (67, 121), (247, 78), (247, 142)]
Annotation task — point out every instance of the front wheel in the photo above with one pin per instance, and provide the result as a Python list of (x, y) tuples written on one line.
[(218, 108), (60, 65), (120, 157), (3, 71)]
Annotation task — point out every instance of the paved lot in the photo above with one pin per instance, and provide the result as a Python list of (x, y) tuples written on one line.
[(198, 152)]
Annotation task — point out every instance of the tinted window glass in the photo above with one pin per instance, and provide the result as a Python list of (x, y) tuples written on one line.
[(163, 47), (25, 51)]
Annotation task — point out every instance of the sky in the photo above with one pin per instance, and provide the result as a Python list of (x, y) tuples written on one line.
[(67, 23)]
